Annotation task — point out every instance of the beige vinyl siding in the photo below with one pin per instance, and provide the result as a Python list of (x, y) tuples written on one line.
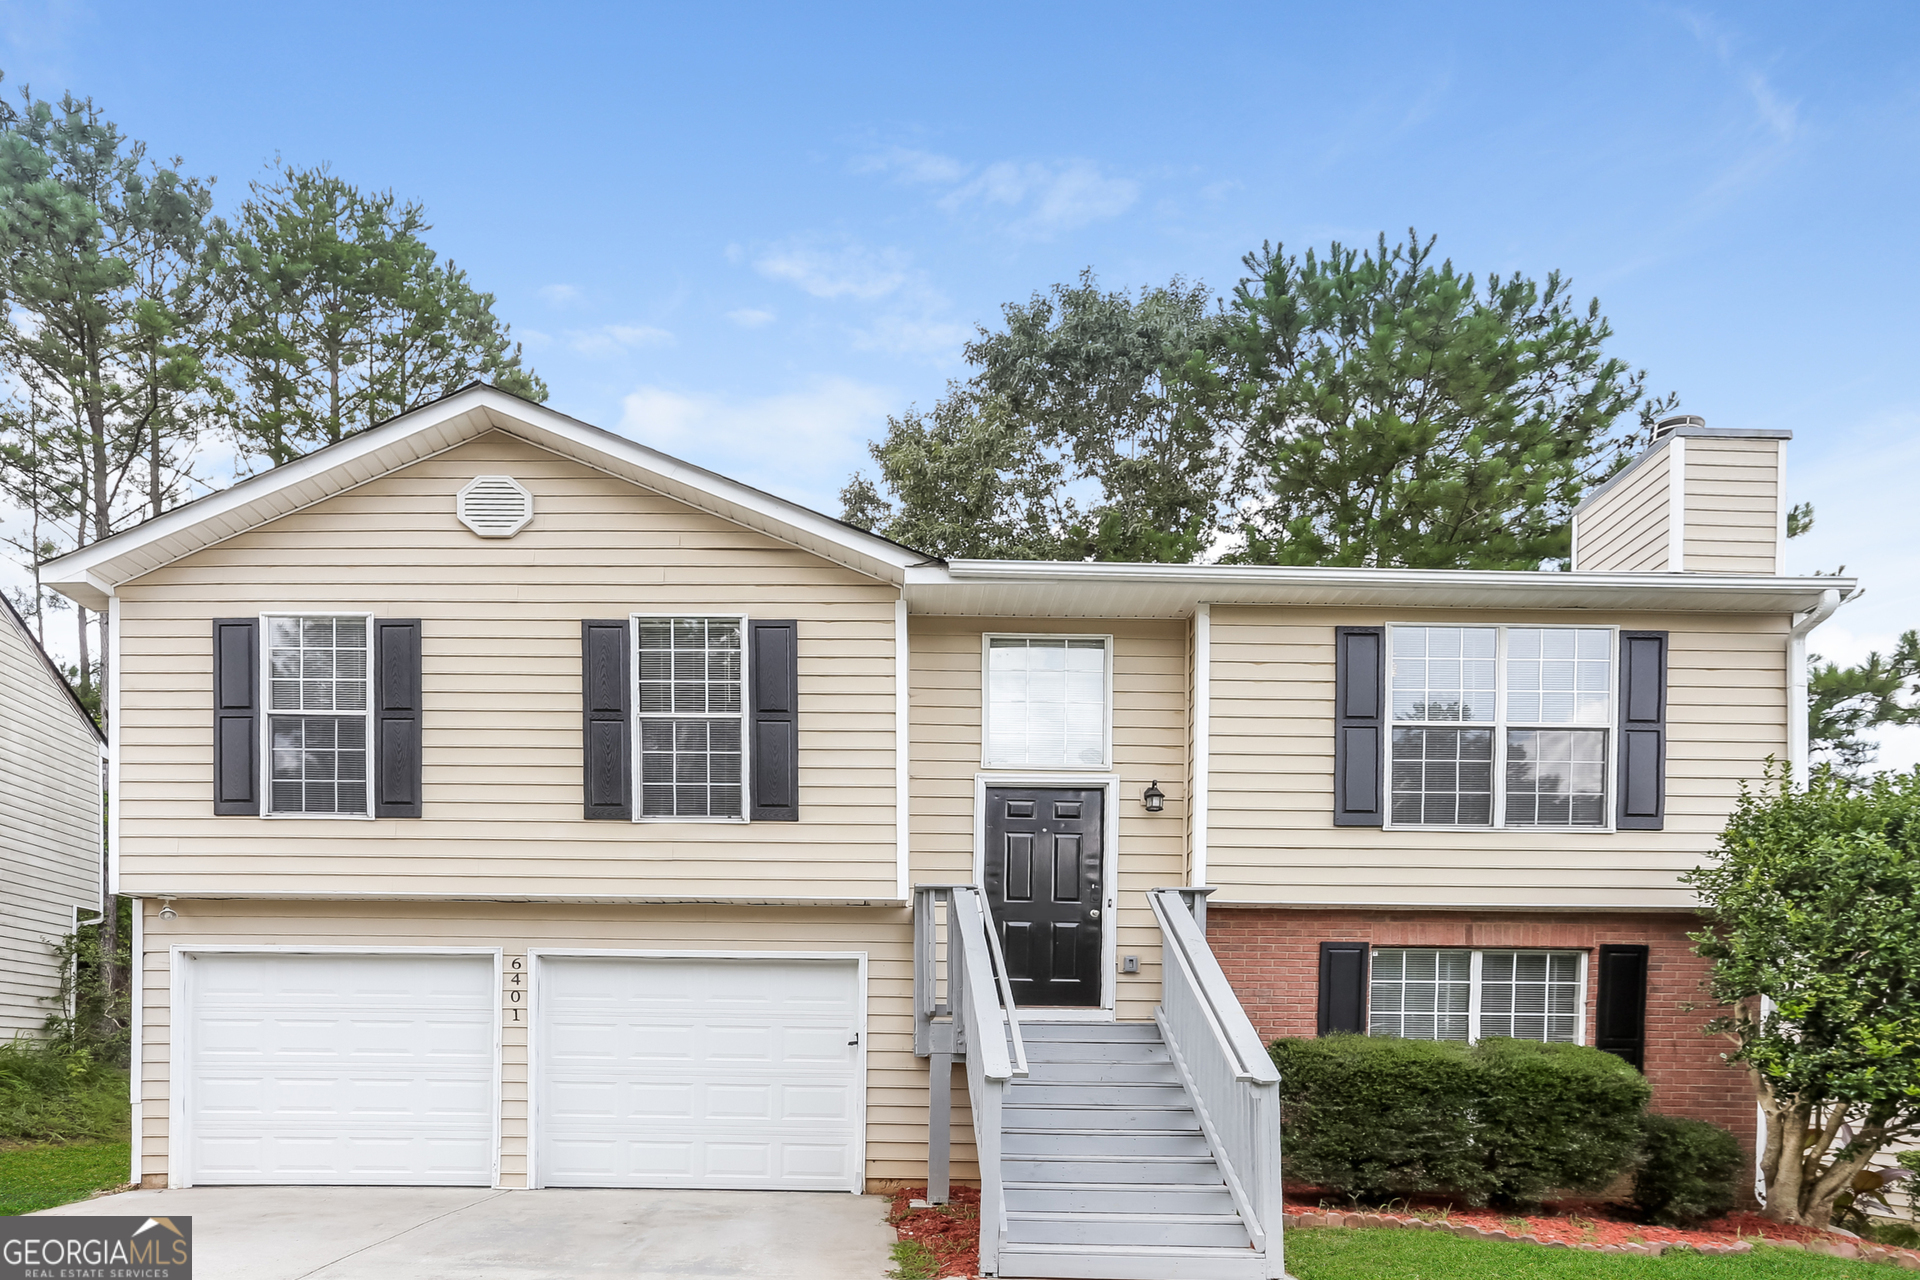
[(50, 837), (1149, 743), (1625, 529), (1271, 837), (896, 1101), (501, 670), (1732, 500)]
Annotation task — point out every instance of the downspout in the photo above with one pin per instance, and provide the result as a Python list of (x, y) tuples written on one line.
[(1797, 746)]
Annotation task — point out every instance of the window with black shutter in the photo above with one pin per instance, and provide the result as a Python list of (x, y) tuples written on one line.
[(1621, 1009), (1643, 731), (236, 716), (396, 689), (1343, 987), (606, 687)]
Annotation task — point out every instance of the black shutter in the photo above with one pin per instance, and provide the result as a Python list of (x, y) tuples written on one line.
[(1343, 987), (1622, 1006), (1359, 725), (774, 671), (1643, 731), (606, 688), (396, 688), (236, 716)]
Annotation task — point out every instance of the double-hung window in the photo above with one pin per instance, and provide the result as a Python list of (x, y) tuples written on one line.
[(691, 717), (317, 714), (1428, 993), (1500, 726), (1047, 702)]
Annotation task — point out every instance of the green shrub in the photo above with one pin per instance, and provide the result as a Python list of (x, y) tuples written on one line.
[(50, 1093), (1507, 1120), (1554, 1117), (1688, 1170)]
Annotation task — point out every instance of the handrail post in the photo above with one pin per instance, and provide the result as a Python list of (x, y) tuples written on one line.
[(1195, 896)]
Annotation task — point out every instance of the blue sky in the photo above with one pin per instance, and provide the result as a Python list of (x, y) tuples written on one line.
[(746, 234)]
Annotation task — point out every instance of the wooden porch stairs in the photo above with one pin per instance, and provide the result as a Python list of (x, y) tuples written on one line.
[(1107, 1172)]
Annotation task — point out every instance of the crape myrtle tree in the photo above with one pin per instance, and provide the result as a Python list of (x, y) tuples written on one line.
[(1814, 944)]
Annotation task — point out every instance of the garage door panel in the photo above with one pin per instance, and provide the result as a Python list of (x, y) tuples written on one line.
[(709, 1073), (293, 1080)]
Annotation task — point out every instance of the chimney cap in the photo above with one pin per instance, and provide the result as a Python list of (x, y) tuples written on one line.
[(1674, 422)]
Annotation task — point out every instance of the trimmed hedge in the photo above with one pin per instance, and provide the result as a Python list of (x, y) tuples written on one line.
[(1502, 1120), (1688, 1170)]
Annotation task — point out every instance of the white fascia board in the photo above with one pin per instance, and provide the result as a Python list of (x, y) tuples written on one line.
[(1093, 588), (88, 575)]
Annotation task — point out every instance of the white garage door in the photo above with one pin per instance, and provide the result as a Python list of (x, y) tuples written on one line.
[(340, 1069), (702, 1072)]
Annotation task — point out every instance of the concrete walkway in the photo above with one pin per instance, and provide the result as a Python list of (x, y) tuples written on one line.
[(432, 1233)]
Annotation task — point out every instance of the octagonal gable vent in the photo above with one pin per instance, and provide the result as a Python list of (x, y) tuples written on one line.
[(495, 506)]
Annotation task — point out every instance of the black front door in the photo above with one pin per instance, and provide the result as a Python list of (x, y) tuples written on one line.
[(1044, 888)]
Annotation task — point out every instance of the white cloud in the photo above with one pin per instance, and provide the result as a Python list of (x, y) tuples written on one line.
[(843, 270), (914, 166), (751, 317), (1053, 196), (1779, 116), (614, 339), (560, 295), (797, 443), (912, 335)]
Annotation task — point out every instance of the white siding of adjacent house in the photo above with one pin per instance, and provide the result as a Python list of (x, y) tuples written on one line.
[(50, 849)]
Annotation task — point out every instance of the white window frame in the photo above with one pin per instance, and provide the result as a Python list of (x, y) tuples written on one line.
[(745, 714), (1499, 726), (1477, 954), (986, 704), (267, 714)]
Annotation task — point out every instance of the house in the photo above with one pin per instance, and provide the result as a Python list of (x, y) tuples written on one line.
[(510, 804), (50, 855)]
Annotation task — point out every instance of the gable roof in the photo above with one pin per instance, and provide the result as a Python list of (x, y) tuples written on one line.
[(53, 671), (90, 575)]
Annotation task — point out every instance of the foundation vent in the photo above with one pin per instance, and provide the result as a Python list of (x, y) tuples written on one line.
[(495, 506)]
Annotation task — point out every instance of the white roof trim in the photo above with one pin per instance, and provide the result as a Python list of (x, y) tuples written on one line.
[(92, 573), (990, 588)]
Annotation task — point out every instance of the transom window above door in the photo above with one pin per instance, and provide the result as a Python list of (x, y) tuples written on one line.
[(1500, 726), (1047, 702)]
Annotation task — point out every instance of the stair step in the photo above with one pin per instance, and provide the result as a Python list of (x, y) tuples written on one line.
[(1052, 1052), (1123, 1096), (1119, 1198), (1071, 1146), (1121, 1262), (1179, 1230), (1084, 1170), (1160, 1118), (1094, 1032), (1056, 1072)]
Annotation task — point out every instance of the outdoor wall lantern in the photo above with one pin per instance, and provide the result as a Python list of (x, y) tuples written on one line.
[(166, 907), (1155, 799)]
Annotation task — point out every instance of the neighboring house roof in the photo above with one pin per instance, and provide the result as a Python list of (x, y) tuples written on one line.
[(931, 585), (53, 671)]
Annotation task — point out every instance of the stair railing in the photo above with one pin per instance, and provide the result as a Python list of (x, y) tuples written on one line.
[(956, 954), (1227, 1071)]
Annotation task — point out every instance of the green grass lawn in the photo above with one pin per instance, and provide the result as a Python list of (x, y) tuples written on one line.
[(1335, 1253), (44, 1175)]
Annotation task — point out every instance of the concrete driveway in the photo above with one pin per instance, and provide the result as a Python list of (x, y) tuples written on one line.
[(433, 1233)]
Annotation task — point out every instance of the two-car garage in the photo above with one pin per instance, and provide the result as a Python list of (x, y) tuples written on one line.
[(643, 1069)]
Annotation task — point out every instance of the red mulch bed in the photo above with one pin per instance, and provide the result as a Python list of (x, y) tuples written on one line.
[(1582, 1222), (951, 1230)]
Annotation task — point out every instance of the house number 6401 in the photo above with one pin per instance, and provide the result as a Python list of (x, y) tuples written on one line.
[(516, 992)]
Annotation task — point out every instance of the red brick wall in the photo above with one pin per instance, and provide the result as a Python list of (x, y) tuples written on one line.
[(1272, 957)]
